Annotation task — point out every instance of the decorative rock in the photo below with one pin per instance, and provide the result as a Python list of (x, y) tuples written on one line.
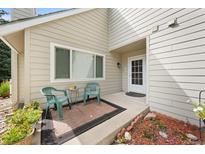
[(132, 123), (119, 135), (150, 115), (136, 119), (163, 134), (128, 136), (129, 128), (192, 137), (122, 131)]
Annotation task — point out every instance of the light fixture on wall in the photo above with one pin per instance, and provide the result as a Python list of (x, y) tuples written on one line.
[(172, 23), (118, 64)]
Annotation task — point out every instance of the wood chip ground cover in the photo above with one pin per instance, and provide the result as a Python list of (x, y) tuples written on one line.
[(146, 131)]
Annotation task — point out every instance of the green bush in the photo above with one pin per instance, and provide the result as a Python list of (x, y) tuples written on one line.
[(5, 89)]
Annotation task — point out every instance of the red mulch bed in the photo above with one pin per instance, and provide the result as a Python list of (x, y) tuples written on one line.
[(146, 131)]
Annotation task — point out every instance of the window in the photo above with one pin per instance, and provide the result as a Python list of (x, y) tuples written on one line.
[(99, 66), (137, 72), (83, 65), (71, 64), (62, 63)]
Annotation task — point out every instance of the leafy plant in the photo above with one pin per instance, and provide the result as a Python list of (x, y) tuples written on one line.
[(161, 126), (32, 116), (199, 110), (121, 140), (17, 133), (148, 135), (17, 118), (21, 123), (5, 89), (181, 134)]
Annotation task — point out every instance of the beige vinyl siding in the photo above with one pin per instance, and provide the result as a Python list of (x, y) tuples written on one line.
[(19, 13), (88, 31), (125, 57), (176, 55)]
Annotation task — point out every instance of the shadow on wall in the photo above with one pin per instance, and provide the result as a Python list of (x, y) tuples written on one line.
[(172, 84), (128, 28), (174, 78)]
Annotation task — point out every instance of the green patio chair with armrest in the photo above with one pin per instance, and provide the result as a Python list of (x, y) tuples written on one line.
[(56, 101), (92, 89)]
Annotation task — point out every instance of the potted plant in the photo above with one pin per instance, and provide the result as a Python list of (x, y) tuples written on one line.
[(18, 135), (22, 125), (33, 113)]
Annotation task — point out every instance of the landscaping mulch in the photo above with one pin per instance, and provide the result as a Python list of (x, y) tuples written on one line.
[(147, 131)]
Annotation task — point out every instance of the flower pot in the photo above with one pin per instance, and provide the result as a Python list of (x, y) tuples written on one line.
[(27, 140)]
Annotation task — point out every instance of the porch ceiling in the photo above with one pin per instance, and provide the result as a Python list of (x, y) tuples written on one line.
[(134, 46), (15, 41)]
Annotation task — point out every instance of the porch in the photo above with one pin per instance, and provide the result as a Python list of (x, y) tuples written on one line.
[(105, 132)]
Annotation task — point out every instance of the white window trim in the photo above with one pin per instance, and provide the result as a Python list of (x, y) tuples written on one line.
[(52, 64)]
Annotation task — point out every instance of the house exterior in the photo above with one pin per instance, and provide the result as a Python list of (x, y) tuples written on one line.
[(158, 52)]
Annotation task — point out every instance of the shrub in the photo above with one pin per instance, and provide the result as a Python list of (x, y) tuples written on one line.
[(5, 89)]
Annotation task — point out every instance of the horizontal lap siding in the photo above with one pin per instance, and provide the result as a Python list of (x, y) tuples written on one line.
[(177, 70), (87, 31), (132, 25), (176, 55), (19, 13)]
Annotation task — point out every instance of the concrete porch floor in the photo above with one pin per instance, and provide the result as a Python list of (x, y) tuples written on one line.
[(106, 131)]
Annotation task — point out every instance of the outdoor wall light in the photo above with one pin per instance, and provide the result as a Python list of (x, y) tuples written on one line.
[(118, 64), (172, 23)]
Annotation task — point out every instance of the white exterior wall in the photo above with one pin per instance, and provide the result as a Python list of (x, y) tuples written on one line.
[(176, 55), (87, 31)]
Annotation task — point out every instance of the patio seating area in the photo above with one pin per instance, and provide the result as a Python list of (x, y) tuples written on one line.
[(105, 131)]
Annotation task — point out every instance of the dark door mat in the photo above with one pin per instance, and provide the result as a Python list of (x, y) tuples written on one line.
[(133, 94), (76, 121)]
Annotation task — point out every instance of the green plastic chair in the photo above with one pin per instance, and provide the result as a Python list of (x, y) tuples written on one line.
[(92, 89), (56, 101)]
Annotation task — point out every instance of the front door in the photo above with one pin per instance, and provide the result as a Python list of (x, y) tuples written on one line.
[(136, 74)]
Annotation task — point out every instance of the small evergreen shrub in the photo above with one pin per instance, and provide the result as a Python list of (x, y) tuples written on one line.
[(5, 89)]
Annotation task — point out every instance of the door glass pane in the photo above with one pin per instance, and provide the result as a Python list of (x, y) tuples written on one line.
[(99, 66), (137, 72), (82, 65), (62, 63)]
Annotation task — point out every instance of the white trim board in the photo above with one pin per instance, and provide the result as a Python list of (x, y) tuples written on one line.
[(147, 69), (9, 28)]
